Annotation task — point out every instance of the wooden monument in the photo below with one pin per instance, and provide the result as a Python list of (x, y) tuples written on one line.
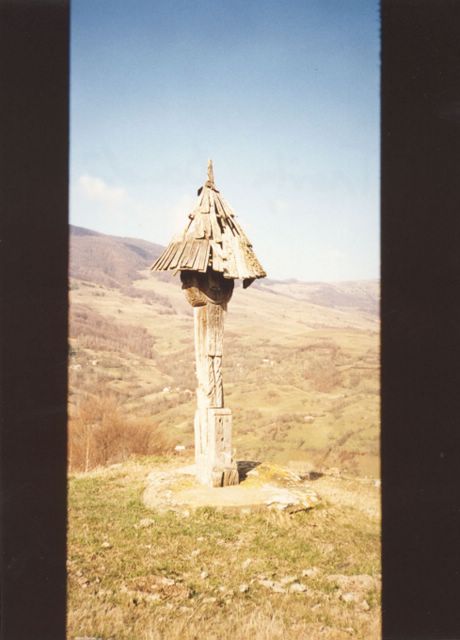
[(210, 255)]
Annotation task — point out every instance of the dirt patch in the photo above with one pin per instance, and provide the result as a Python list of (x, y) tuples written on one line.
[(262, 484), (265, 485)]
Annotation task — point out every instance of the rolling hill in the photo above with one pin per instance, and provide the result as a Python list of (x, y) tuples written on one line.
[(301, 363)]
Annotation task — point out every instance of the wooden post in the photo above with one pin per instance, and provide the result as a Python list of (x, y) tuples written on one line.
[(208, 294), (210, 255), (213, 423)]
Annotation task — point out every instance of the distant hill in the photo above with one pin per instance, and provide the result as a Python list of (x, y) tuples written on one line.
[(362, 295), (116, 262), (109, 260)]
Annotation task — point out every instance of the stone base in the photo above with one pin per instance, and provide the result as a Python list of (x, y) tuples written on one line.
[(213, 447), (261, 485)]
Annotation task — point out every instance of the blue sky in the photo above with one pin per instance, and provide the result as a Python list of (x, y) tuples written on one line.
[(283, 96)]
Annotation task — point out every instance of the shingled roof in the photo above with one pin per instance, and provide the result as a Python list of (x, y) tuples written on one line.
[(212, 239)]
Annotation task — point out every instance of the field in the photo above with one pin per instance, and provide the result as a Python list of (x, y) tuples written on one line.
[(301, 376), (145, 575), (301, 361)]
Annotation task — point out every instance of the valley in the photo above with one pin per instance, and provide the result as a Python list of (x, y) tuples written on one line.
[(301, 360)]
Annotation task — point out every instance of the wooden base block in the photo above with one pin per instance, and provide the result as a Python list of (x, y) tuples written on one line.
[(224, 477), (215, 466), (231, 477)]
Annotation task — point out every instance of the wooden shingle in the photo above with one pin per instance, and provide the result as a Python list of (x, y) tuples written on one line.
[(213, 238)]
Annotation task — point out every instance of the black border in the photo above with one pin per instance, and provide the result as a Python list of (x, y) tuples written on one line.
[(34, 108), (420, 317), (420, 233)]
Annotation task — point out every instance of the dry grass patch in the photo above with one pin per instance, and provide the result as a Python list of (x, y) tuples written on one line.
[(100, 433), (141, 574)]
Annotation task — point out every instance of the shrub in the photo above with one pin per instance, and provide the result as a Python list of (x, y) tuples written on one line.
[(323, 374), (101, 434)]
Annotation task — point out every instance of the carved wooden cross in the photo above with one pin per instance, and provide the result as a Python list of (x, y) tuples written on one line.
[(210, 255)]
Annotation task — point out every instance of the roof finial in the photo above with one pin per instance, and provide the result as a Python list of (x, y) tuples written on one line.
[(210, 173)]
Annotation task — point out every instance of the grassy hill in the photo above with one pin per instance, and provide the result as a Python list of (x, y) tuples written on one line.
[(301, 375), (301, 361), (138, 574)]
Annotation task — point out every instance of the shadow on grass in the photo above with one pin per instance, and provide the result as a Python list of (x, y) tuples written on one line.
[(312, 475), (244, 467)]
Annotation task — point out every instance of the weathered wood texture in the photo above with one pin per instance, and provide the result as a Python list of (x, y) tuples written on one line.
[(201, 288), (210, 254), (213, 447), (212, 239), (213, 423)]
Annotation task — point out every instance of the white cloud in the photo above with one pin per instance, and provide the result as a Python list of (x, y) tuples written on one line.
[(96, 190), (113, 209)]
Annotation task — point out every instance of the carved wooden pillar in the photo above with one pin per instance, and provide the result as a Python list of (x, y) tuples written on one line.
[(212, 244), (208, 294)]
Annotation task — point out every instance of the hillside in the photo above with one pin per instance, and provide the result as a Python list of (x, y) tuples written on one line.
[(301, 363), (108, 260), (181, 574), (115, 262)]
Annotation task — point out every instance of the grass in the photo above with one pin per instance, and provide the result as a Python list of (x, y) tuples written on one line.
[(142, 575), (301, 378)]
